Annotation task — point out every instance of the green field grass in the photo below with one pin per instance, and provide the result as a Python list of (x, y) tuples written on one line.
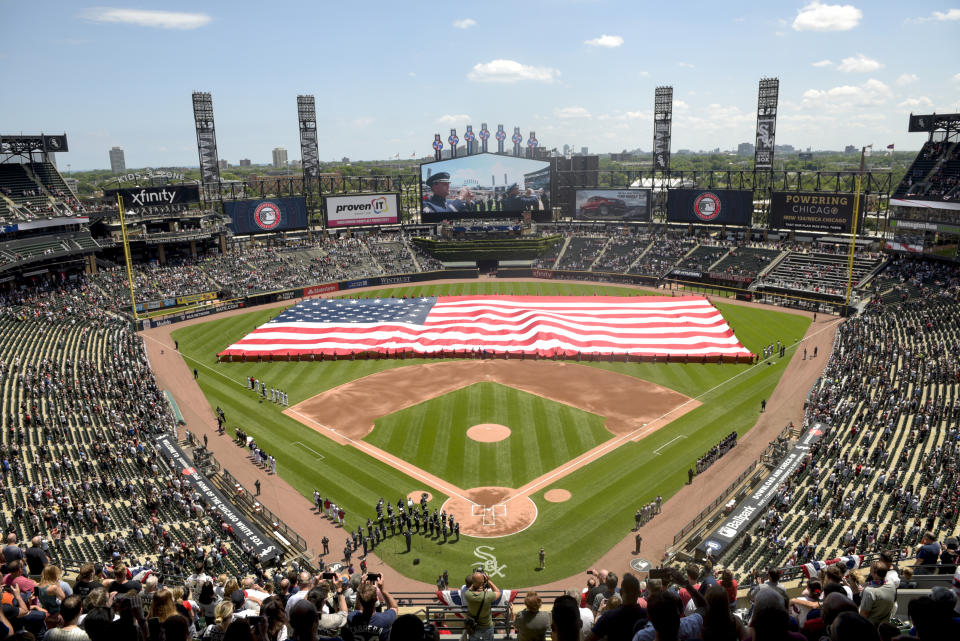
[(543, 434), (605, 493)]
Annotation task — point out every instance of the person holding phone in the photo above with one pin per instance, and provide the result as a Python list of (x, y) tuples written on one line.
[(366, 624)]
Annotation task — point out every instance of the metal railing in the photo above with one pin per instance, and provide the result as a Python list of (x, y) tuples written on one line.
[(699, 518), (273, 521)]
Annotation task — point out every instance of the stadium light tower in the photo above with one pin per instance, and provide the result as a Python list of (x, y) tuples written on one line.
[(856, 217)]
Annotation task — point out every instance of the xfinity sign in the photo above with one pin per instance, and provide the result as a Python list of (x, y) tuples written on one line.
[(140, 197), (362, 209)]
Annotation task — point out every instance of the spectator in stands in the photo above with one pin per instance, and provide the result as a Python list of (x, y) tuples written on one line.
[(770, 621), (620, 623), (928, 555), (330, 620), (207, 601), (609, 589), (665, 612), (163, 605), (223, 616), (729, 584), (96, 623), (36, 558), (69, 629), (586, 614), (12, 551), (304, 583), (853, 627), (365, 623), (85, 582), (878, 597), (565, 620), (15, 577), (303, 621), (50, 594), (719, 624), (532, 624), (275, 618), (176, 628)]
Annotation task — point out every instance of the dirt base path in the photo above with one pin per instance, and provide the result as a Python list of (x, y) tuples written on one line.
[(785, 405)]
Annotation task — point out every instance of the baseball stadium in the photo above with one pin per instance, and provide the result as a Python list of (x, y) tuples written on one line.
[(495, 390)]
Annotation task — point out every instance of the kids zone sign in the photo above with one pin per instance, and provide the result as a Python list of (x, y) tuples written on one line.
[(362, 209)]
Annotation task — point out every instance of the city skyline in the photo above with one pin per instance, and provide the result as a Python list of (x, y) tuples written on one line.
[(848, 75)]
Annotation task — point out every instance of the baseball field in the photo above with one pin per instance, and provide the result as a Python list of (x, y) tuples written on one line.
[(492, 440)]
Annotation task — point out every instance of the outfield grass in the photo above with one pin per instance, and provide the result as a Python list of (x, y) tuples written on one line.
[(605, 493), (433, 435)]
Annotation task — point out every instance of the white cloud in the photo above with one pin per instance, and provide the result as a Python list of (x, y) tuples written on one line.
[(363, 122), (147, 17), (643, 74), (508, 71), (827, 17), (956, 78), (949, 14), (604, 40), (906, 79), (847, 97), (685, 65), (453, 119), (823, 63), (466, 23), (922, 101), (412, 74), (939, 16), (572, 112), (859, 64)]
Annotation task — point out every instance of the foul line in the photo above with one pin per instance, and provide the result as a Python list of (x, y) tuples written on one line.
[(675, 438), (307, 447)]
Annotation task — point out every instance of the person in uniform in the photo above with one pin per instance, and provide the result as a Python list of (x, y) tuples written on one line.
[(439, 184), (514, 201), (407, 537), (543, 559)]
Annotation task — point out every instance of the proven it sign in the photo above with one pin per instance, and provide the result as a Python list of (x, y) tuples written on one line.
[(362, 209)]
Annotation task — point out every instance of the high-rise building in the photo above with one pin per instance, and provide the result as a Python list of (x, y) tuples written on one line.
[(745, 149), (244, 162), (279, 157), (223, 163), (118, 163), (584, 151)]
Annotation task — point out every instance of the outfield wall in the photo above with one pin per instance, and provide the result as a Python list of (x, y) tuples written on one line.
[(305, 292)]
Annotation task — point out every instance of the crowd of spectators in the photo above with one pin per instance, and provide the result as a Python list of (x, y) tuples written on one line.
[(885, 469), (935, 174)]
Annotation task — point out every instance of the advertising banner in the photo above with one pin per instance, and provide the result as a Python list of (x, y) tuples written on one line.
[(321, 289), (265, 216), (362, 209), (739, 520), (710, 206), (169, 195), (612, 204), (812, 211), (249, 534)]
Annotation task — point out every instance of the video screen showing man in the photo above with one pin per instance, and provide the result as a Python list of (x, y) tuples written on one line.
[(485, 184)]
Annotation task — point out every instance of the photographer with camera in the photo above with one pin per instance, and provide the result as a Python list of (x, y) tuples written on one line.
[(367, 624), (479, 600)]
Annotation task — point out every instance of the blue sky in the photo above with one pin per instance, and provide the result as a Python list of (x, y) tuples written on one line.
[(388, 75)]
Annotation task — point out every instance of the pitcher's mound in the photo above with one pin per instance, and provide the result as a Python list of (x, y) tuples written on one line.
[(488, 432), (557, 496), (484, 513)]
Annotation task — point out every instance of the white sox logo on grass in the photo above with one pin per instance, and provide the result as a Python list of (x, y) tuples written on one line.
[(490, 565), (267, 215), (707, 206)]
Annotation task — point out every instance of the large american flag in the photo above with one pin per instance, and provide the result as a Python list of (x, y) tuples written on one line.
[(543, 325)]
